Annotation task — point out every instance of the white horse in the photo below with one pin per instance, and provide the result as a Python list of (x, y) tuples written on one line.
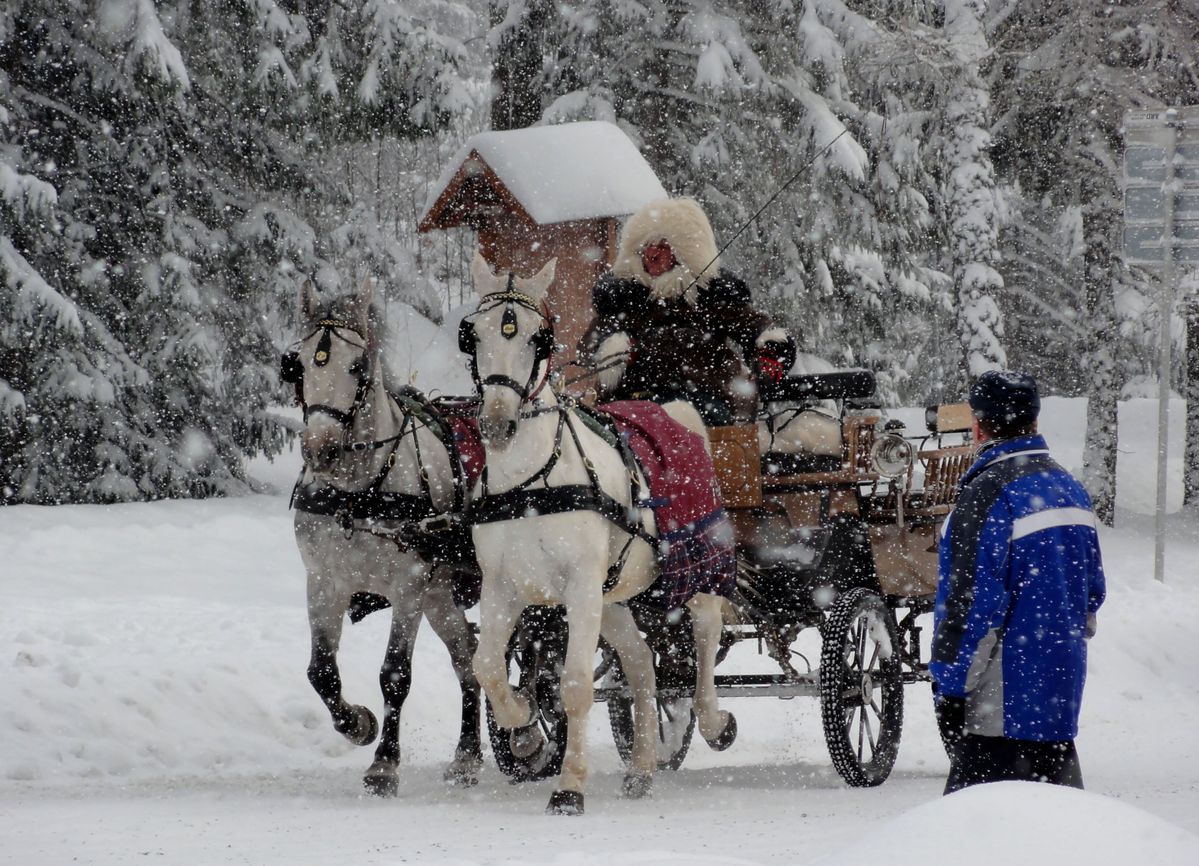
[(541, 539), (369, 465)]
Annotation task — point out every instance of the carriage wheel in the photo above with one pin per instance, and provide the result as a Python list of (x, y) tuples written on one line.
[(676, 721), (861, 688), (536, 654)]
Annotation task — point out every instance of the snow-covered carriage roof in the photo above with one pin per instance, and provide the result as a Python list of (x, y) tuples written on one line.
[(561, 173)]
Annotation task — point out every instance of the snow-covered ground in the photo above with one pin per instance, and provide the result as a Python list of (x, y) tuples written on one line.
[(154, 708)]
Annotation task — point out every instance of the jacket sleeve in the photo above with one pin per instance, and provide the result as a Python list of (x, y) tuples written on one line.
[(731, 314), (973, 596), (617, 302)]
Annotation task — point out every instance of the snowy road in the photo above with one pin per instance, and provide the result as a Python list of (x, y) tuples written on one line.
[(155, 709)]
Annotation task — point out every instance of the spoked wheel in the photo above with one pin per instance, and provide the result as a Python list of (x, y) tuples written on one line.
[(536, 654), (861, 688), (676, 721)]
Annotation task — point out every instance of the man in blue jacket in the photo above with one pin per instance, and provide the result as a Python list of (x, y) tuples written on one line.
[(1021, 582)]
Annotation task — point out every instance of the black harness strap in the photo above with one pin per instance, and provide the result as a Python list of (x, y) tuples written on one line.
[(527, 500), (370, 505), (373, 504)]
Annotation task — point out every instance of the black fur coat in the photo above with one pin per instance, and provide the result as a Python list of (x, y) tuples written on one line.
[(704, 352)]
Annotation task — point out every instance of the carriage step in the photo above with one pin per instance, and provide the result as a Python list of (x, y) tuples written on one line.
[(738, 686)]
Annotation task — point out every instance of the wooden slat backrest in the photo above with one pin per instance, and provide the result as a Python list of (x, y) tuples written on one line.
[(943, 472), (858, 436)]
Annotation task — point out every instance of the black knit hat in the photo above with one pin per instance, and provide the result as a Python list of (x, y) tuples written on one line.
[(1005, 397)]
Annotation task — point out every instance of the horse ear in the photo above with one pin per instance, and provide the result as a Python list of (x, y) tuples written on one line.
[(537, 285), (484, 279), (362, 302), (309, 302)]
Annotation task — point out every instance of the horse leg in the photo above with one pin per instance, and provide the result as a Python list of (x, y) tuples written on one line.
[(497, 618), (637, 662), (583, 617), (325, 618), (453, 629), (395, 681), (718, 727)]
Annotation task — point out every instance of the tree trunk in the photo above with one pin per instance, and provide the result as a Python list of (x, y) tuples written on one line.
[(516, 70), (971, 205), (1190, 486), (1099, 455)]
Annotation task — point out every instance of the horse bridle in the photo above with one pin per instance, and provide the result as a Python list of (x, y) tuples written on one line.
[(542, 341), (370, 503), (291, 369)]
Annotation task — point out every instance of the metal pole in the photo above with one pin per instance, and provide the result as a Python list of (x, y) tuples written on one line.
[(1164, 362)]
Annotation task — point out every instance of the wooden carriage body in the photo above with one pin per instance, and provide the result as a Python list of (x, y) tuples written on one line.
[(903, 518)]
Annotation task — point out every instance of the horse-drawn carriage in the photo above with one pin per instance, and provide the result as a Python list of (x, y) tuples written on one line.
[(844, 543)]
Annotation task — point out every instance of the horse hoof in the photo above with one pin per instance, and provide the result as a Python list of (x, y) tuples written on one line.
[(463, 772), (526, 742), (637, 785), (565, 803), (365, 728), (381, 784), (726, 737)]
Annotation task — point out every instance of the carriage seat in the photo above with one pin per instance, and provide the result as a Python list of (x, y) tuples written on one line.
[(799, 430)]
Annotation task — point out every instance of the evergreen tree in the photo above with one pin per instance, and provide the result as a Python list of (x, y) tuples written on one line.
[(1062, 76), (971, 204), (160, 195)]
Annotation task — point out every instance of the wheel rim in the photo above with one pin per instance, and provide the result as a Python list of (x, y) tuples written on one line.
[(862, 694), (861, 689)]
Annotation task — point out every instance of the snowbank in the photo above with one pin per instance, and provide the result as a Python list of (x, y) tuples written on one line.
[(1028, 824)]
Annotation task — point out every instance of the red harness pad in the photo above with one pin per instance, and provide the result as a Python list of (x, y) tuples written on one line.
[(470, 447), (696, 549)]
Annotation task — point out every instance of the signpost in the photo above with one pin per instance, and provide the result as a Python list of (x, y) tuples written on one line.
[(1161, 228)]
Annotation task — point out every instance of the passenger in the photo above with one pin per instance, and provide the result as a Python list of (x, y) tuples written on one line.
[(671, 324)]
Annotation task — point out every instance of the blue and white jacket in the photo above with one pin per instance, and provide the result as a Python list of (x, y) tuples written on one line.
[(1021, 577)]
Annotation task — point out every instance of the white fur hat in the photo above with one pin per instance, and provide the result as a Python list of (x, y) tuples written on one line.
[(682, 223)]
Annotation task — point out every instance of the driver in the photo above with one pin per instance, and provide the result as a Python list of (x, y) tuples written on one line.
[(671, 324)]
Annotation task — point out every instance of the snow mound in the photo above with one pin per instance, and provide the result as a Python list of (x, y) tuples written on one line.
[(1030, 824)]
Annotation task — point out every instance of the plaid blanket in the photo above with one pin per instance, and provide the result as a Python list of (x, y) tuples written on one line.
[(696, 547)]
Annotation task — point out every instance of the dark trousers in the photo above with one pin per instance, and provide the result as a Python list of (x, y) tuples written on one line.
[(978, 760)]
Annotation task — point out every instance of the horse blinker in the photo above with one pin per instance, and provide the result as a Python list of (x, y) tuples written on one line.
[(290, 368)]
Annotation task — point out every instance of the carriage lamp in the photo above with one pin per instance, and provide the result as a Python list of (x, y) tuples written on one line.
[(891, 455)]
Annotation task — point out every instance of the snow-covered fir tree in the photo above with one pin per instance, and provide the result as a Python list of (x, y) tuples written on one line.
[(168, 170), (1062, 76), (971, 204)]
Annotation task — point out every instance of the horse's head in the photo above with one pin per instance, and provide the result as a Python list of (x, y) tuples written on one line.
[(332, 367), (510, 339)]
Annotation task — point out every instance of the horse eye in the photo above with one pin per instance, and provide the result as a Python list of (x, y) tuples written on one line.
[(357, 367)]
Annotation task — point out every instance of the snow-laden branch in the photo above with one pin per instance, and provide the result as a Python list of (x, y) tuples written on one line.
[(136, 23), (34, 293)]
